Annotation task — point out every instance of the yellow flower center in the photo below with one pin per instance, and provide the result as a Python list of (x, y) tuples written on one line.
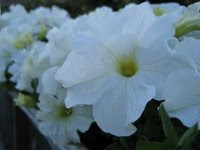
[(127, 67), (64, 112), (158, 11), (24, 41)]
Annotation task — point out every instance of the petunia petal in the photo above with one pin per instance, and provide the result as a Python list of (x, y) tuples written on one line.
[(182, 90), (191, 48), (182, 96), (142, 13), (156, 33), (154, 69), (91, 91), (49, 84), (117, 109), (188, 116), (138, 95), (110, 113), (87, 61)]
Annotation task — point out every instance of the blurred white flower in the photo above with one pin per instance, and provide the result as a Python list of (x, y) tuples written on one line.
[(53, 17), (47, 18), (118, 67), (26, 67), (19, 33), (16, 16), (19, 37)]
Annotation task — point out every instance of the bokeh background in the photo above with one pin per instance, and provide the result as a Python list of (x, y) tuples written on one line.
[(77, 7)]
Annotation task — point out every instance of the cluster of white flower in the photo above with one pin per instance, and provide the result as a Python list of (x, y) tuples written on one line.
[(104, 66)]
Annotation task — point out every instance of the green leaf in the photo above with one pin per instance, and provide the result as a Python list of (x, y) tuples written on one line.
[(143, 145), (115, 146), (124, 143), (168, 127), (152, 134), (143, 138), (187, 138)]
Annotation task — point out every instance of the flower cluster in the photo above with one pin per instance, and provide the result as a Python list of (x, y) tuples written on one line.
[(102, 67)]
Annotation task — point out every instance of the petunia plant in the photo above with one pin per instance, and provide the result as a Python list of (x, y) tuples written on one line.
[(126, 79)]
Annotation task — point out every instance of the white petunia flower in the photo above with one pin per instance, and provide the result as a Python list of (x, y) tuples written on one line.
[(26, 67), (19, 33), (16, 15), (58, 122), (47, 19), (19, 37), (118, 67), (182, 87), (50, 17)]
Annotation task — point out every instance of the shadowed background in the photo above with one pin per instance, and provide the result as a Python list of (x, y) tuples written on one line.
[(77, 7)]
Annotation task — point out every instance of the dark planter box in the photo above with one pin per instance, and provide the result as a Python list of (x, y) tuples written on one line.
[(18, 128)]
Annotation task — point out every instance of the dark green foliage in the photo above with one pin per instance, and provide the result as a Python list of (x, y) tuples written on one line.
[(168, 127), (156, 131)]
